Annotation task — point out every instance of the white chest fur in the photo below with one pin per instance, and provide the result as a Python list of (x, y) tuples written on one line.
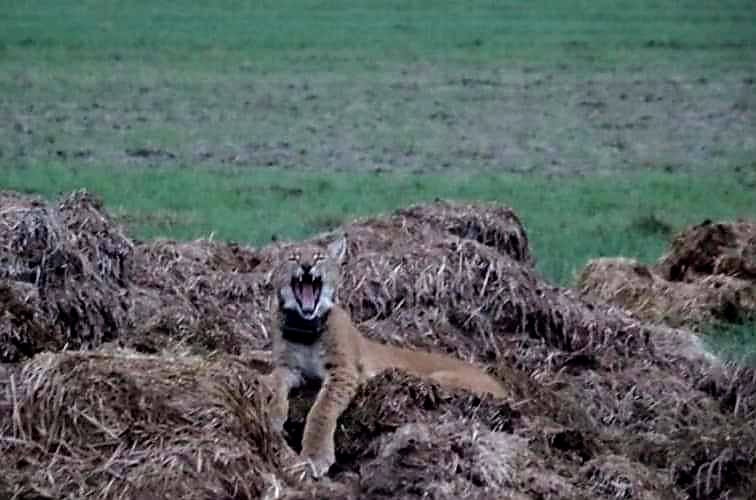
[(306, 359)]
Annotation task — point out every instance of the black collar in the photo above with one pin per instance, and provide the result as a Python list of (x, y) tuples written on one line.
[(302, 331)]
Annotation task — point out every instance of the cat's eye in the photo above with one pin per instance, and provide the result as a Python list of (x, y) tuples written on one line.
[(294, 257), (318, 257)]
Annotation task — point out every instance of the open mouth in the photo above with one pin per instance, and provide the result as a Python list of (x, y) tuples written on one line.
[(307, 292)]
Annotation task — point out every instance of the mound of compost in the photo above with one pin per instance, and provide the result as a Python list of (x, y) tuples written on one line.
[(726, 248), (169, 400), (708, 275), (62, 275)]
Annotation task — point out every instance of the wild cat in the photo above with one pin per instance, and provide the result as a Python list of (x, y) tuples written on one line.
[(315, 338)]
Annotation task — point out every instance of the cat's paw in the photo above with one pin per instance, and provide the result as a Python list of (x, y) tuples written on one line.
[(313, 464)]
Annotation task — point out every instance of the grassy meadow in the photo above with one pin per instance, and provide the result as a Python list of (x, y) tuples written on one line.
[(567, 219), (607, 125)]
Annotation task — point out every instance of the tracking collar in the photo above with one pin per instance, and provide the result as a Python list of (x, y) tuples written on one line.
[(302, 331)]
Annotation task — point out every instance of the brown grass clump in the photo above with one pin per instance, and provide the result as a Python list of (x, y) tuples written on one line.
[(138, 426), (169, 403), (63, 271), (493, 226), (706, 276), (199, 296), (70, 278), (711, 248)]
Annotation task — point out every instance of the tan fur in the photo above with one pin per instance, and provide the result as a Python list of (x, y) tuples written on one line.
[(343, 359)]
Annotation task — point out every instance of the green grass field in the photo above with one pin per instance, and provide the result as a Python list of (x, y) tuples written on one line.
[(606, 125), (530, 87), (294, 31)]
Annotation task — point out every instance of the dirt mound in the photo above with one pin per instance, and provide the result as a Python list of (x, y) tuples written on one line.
[(138, 426), (490, 225), (708, 275), (71, 279), (601, 405), (198, 297), (709, 248), (126, 425), (63, 275)]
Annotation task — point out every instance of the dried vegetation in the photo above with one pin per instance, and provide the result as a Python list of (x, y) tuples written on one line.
[(133, 370), (708, 275)]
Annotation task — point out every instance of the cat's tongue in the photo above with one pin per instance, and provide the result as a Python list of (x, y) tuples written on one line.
[(308, 297)]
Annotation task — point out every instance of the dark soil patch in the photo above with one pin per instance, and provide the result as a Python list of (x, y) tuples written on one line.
[(150, 153)]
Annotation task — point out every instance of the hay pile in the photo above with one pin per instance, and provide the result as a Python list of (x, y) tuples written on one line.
[(63, 272), (196, 297), (168, 403), (708, 275), (136, 426)]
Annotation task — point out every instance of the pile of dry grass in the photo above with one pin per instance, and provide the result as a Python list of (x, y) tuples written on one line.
[(196, 297), (71, 279), (63, 270), (137, 426), (708, 275), (171, 405), (712, 248)]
